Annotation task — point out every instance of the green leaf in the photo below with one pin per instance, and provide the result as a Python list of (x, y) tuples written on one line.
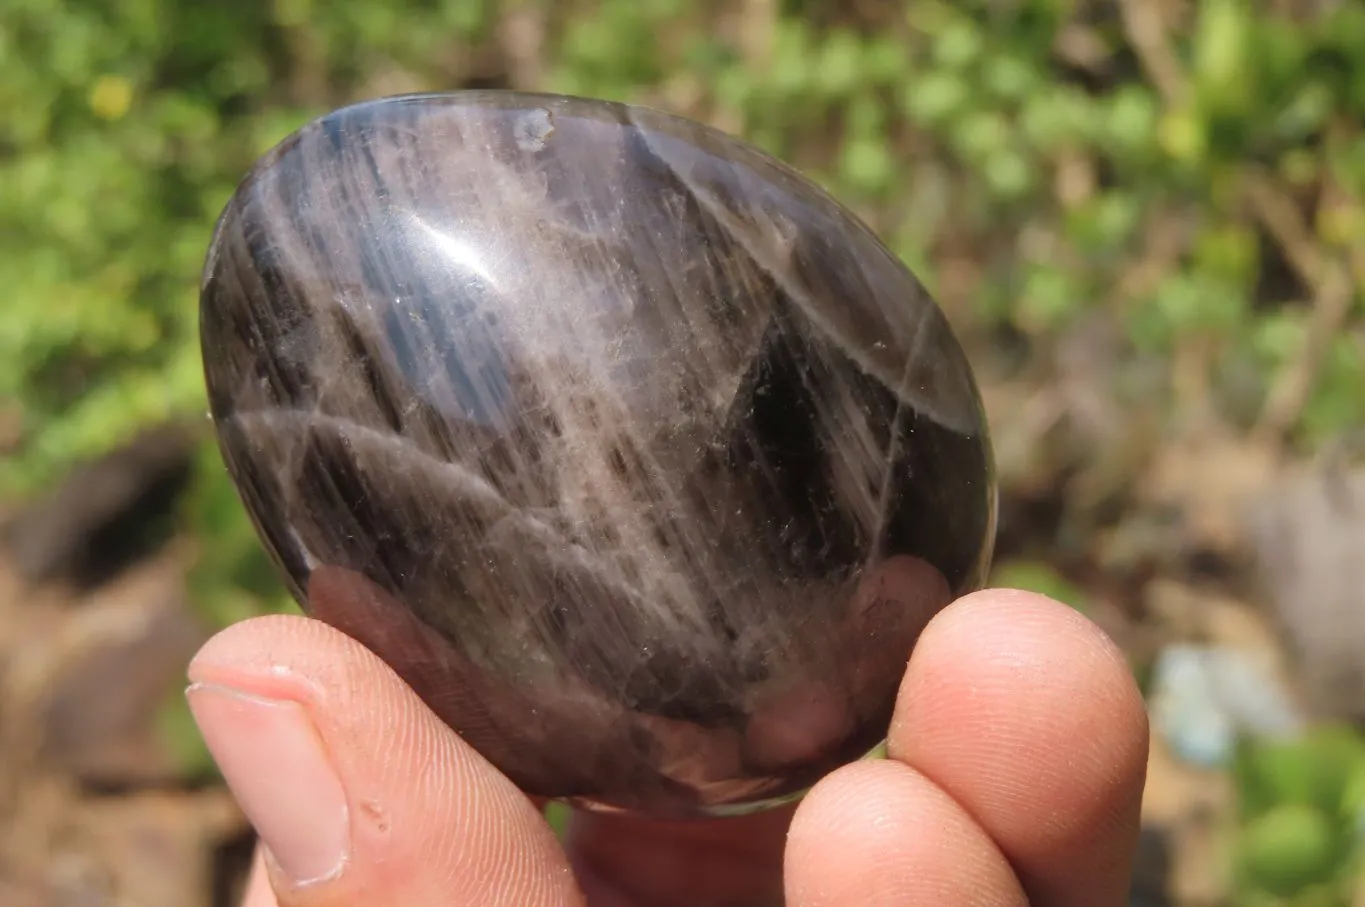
[(1287, 850), (867, 166), (959, 45), (1222, 52), (1035, 576), (838, 68), (1316, 771), (935, 99)]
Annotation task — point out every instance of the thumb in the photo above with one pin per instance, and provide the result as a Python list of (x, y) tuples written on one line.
[(360, 795)]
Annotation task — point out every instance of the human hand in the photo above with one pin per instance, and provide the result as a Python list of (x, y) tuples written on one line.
[(1017, 760)]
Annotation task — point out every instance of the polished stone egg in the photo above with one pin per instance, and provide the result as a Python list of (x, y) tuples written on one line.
[(636, 455)]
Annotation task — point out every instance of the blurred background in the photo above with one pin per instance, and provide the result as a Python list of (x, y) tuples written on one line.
[(1145, 218)]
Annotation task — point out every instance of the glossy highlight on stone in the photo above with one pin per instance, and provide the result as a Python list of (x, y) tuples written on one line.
[(638, 457)]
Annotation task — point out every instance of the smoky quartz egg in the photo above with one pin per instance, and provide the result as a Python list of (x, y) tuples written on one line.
[(637, 456)]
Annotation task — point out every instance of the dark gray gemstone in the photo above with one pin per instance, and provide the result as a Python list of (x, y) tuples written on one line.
[(634, 453)]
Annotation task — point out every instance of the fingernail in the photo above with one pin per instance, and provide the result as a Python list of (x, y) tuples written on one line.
[(273, 759)]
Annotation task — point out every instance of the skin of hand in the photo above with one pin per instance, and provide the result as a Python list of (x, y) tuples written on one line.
[(1018, 755)]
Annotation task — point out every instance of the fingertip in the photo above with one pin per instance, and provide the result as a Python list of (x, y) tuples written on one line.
[(272, 654), (878, 832), (1027, 714)]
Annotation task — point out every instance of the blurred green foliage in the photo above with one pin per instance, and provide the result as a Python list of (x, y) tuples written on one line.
[(1200, 180), (1036, 576), (1302, 806), (126, 126)]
